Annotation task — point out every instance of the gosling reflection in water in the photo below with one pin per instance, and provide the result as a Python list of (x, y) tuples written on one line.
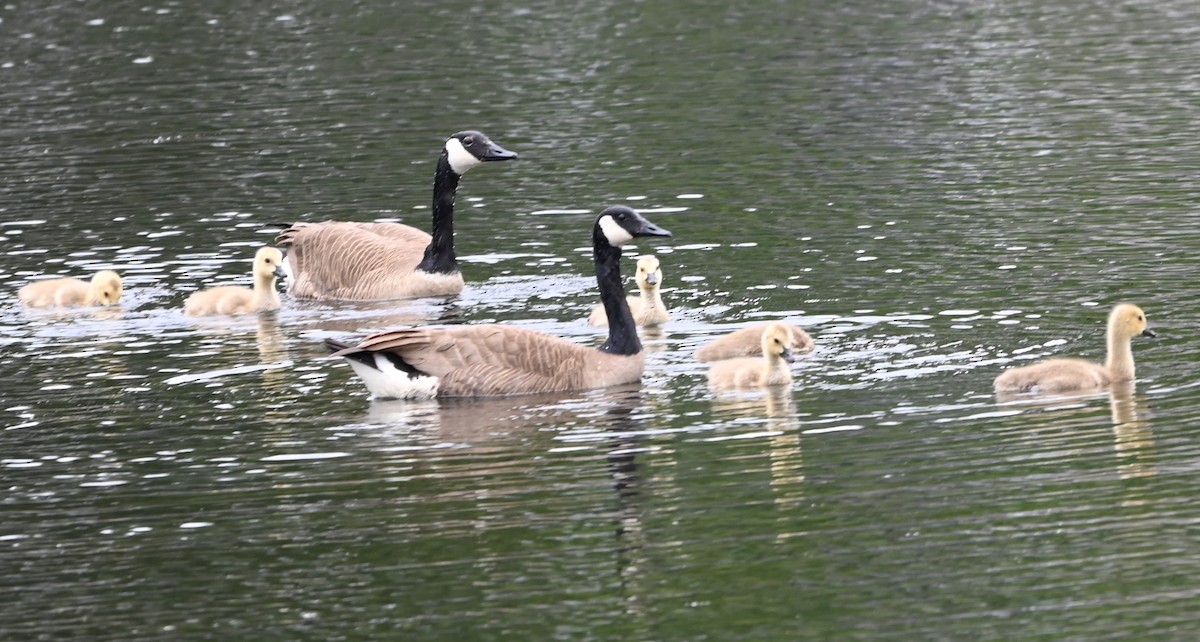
[(784, 448), (653, 339), (1133, 442), (272, 352)]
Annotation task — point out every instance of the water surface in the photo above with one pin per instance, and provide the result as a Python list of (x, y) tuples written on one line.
[(935, 191)]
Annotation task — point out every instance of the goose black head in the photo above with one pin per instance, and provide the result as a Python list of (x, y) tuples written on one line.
[(466, 149), (620, 225)]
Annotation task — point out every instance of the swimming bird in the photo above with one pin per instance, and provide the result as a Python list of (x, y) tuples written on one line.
[(647, 309), (747, 342), (748, 373), (501, 360), (1064, 375), (105, 288), (337, 260), (235, 299)]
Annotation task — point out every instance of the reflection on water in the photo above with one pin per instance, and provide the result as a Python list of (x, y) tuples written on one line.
[(773, 411), (940, 190), (1133, 442)]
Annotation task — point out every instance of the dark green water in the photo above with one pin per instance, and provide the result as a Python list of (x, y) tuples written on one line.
[(935, 190)]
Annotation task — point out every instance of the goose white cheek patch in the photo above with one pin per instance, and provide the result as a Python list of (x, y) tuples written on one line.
[(615, 234), (460, 159)]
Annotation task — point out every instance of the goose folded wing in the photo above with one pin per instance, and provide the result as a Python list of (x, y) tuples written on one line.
[(488, 360), (339, 257)]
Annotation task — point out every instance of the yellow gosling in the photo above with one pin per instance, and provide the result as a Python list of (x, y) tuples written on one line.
[(750, 373), (1065, 375), (648, 308), (747, 342), (235, 299), (104, 289)]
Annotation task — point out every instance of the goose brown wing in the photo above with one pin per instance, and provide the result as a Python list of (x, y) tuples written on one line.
[(335, 258), (490, 360), (398, 233)]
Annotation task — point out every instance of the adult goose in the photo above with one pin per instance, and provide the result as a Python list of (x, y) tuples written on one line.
[(501, 360), (337, 260), (1064, 375)]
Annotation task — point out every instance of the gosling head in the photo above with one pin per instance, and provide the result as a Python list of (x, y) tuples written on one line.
[(268, 263), (1128, 321), (777, 342), (106, 288), (649, 274), (619, 225), (466, 149)]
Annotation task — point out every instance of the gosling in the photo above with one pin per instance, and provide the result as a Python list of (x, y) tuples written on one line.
[(751, 373), (1063, 375), (235, 299), (104, 289), (648, 309), (747, 342)]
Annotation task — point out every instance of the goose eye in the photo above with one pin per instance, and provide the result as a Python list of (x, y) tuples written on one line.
[(1141, 318), (468, 141)]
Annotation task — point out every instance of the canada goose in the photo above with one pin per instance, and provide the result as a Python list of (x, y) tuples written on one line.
[(748, 373), (1073, 375), (337, 260), (499, 360), (235, 299), (747, 342), (647, 309), (104, 289)]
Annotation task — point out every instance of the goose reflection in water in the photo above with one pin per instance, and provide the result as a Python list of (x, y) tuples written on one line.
[(654, 339), (612, 419), (486, 419)]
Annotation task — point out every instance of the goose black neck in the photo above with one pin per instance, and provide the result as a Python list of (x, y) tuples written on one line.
[(439, 254), (622, 331)]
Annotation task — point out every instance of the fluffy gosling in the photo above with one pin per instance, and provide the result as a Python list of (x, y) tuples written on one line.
[(648, 309), (104, 289), (750, 373), (747, 342), (1065, 375), (235, 299)]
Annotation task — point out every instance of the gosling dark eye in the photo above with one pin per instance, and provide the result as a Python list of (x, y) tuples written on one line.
[(1141, 318)]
